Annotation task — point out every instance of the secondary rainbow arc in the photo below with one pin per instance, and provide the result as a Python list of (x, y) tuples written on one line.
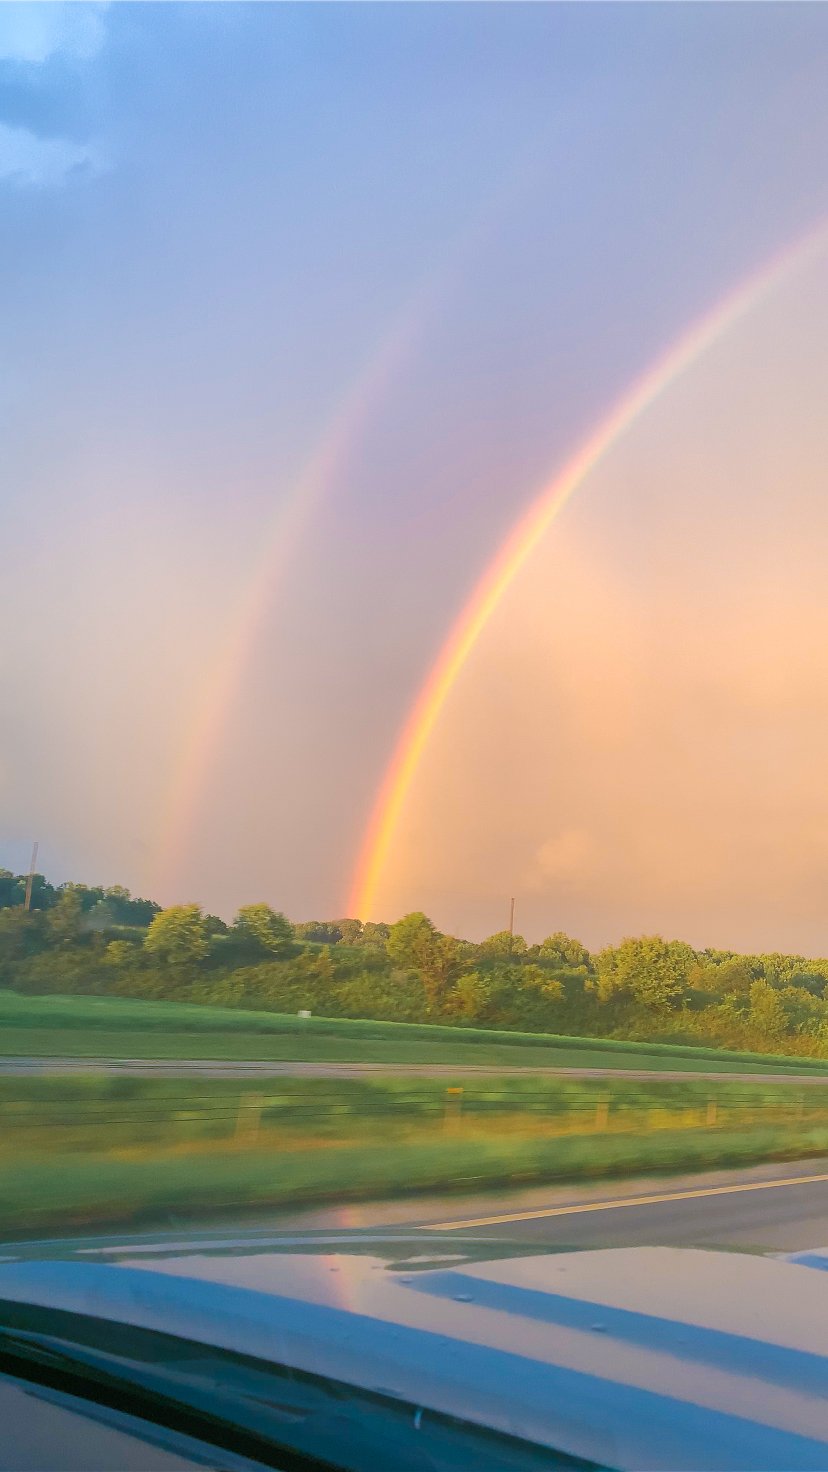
[(205, 727)]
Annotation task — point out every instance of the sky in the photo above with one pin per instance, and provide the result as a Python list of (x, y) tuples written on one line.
[(303, 305)]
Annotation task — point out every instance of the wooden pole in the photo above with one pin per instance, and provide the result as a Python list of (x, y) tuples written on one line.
[(27, 903)]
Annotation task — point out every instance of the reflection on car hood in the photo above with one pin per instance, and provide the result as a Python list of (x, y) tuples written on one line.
[(646, 1357)]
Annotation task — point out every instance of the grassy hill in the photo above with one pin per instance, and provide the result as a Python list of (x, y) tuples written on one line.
[(111, 1027)]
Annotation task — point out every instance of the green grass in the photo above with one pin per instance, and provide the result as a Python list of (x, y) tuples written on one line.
[(75, 1192), (106, 1150), (317, 1047), (112, 1027)]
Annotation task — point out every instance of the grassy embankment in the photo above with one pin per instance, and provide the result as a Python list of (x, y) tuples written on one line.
[(111, 1027), (98, 1151)]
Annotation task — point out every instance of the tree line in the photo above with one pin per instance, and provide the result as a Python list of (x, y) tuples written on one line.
[(103, 941)]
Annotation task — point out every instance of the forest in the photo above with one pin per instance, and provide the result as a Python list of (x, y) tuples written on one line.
[(88, 940)]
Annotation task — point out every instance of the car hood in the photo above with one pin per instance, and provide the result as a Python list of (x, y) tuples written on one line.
[(646, 1357)]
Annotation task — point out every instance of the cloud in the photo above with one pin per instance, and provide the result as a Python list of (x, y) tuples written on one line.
[(30, 36), (566, 860), (29, 160), (33, 33)]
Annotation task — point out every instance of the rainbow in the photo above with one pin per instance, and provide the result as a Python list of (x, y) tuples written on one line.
[(204, 730), (522, 541)]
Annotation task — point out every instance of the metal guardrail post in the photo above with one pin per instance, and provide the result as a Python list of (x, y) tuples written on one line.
[(249, 1119), (453, 1107)]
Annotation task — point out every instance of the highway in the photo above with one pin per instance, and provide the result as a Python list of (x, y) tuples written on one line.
[(13, 1067), (778, 1208)]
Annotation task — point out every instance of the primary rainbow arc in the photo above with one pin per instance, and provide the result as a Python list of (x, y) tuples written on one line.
[(521, 543)]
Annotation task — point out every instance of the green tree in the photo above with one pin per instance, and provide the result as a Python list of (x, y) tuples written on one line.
[(315, 973), (394, 997), (325, 931), (506, 995), (416, 945), (813, 980), (321, 969), (119, 953), (647, 968), (264, 929), (804, 1012), (502, 946), (178, 936), (375, 934), (411, 941), (127, 909), (21, 935), (350, 932), (12, 889), (732, 976), (563, 951), (469, 998), (88, 895), (64, 919), (778, 969), (767, 1012)]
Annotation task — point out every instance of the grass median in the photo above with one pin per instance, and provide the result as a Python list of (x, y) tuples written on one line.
[(113, 1027), (103, 1152)]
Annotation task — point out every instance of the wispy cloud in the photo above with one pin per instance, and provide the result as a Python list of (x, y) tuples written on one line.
[(28, 160), (32, 36), (34, 33), (567, 860)]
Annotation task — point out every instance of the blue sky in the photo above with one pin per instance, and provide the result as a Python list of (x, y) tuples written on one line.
[(211, 217)]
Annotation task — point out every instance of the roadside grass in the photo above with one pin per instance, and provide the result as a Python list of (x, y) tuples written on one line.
[(106, 1151), (63, 1193), (320, 1047), (113, 1027)]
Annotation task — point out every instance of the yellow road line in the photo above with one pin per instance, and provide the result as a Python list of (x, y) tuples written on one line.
[(530, 1216)]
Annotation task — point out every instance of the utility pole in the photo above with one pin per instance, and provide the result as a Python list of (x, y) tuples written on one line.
[(512, 916), (27, 903)]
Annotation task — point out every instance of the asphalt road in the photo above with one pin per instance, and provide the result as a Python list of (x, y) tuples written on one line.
[(12, 1067), (781, 1208)]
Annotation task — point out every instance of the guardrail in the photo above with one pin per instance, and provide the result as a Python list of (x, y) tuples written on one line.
[(254, 1118)]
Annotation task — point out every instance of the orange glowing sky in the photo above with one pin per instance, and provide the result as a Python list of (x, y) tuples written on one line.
[(639, 739)]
